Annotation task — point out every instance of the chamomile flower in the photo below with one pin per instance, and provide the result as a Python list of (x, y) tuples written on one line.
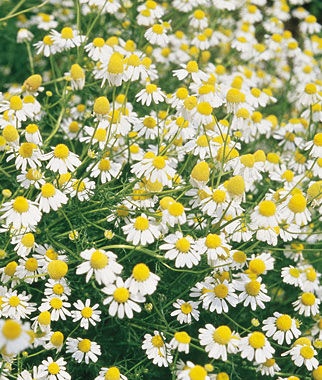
[(268, 368), (21, 212), (32, 177), (17, 306), (102, 264), (57, 306), (255, 346), (57, 287), (82, 189), (26, 375), (141, 230), (14, 336), (315, 146), (186, 311), (55, 341), (66, 39), (291, 275), (191, 70), (304, 355), (265, 214), (24, 244), (190, 371), (157, 349), (62, 160), (46, 46), (83, 349), (54, 370), (121, 300), (182, 249), (281, 327), (218, 341), (86, 314), (157, 35), (214, 246), (150, 93), (180, 341), (142, 280), (217, 297), (28, 270), (253, 292), (50, 198), (105, 169), (307, 304), (294, 209), (110, 373)]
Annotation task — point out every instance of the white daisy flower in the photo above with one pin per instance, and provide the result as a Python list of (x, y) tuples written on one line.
[(29, 270), (255, 346), (14, 336), (46, 46), (83, 349), (181, 342), (157, 35), (150, 93), (307, 304), (121, 300), (105, 169), (32, 177), (88, 315), (58, 307), (268, 368), (50, 198), (218, 341), (102, 264), (62, 160), (291, 275), (142, 280), (28, 154), (214, 246), (217, 297), (281, 327), (66, 39), (191, 371), (191, 69), (186, 311), (181, 249), (157, 349), (54, 370), (110, 373), (141, 230), (303, 355)]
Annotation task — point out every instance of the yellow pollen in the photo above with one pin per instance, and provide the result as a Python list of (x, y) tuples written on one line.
[(310, 89), (257, 340), (57, 269), (236, 185), (243, 113), (288, 175), (239, 257), (273, 158), (100, 134), (98, 42), (149, 122), (141, 272), (26, 149), (47, 40), (10, 268), (101, 105), (67, 33), (213, 241), (176, 209), (10, 133), (256, 92), (51, 254), (104, 165), (58, 289), (61, 151), (202, 141), (201, 172), (183, 245), (311, 274), (253, 288), (222, 335), (317, 140), (157, 29), (11, 330), (77, 72), (32, 128), (219, 196), (307, 352), (294, 272), (199, 14), (235, 96), (14, 301), (186, 308), (48, 190), (204, 108)]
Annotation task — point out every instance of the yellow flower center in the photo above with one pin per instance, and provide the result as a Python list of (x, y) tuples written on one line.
[(308, 299), (284, 322), (121, 295), (15, 103), (239, 257), (157, 28), (10, 268), (28, 240), (141, 272), (112, 373), (257, 340), (311, 274), (202, 141), (149, 122), (98, 42), (317, 140), (288, 175), (183, 245), (213, 241), (116, 64), (253, 288), (222, 335), (26, 149), (84, 345), (310, 89), (158, 162), (101, 105), (20, 205), (235, 96), (297, 203), (57, 339), (243, 113), (31, 264), (257, 266), (77, 72), (267, 208), (192, 67), (256, 92), (176, 209), (53, 368), (100, 134), (14, 301), (294, 272), (273, 158), (186, 308), (157, 341), (307, 352), (141, 223), (236, 185), (197, 373), (201, 172), (44, 318), (67, 33), (269, 363), (98, 260), (199, 14), (32, 128), (257, 117), (57, 269), (56, 303), (221, 291), (11, 330), (182, 337), (48, 190), (61, 151), (248, 160), (87, 312), (204, 108), (58, 289), (47, 40)]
